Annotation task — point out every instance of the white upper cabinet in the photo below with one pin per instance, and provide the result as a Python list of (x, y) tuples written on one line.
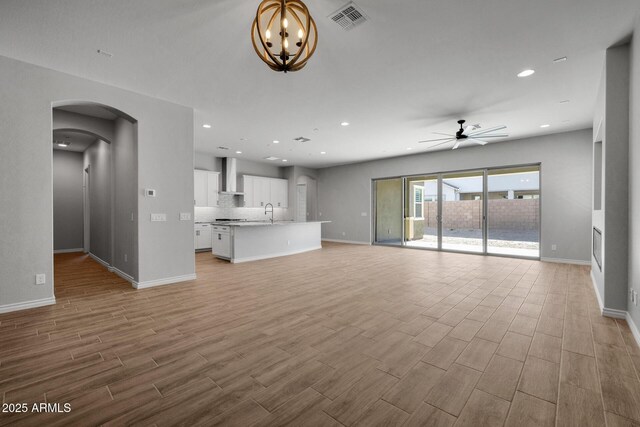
[(259, 190), (205, 185), (280, 193)]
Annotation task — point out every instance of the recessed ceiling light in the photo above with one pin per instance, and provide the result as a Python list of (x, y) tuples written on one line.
[(409, 148), (544, 126), (275, 141), (62, 144), (271, 158), (561, 59), (526, 73), (323, 152), (285, 160), (344, 124), (206, 126), (238, 152)]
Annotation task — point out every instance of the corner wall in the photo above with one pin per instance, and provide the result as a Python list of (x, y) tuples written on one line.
[(345, 191), (165, 163), (634, 177)]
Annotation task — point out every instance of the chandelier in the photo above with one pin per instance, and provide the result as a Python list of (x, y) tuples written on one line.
[(284, 34)]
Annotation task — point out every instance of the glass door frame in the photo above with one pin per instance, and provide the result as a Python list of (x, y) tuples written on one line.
[(485, 215)]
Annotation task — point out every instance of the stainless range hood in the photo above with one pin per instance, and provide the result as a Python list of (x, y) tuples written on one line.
[(229, 177)]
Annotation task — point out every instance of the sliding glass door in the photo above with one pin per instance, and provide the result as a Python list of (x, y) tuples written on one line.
[(513, 208), (421, 212), (490, 211), (463, 211), (388, 211)]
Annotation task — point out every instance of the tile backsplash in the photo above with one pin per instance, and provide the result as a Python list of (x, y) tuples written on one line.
[(228, 208)]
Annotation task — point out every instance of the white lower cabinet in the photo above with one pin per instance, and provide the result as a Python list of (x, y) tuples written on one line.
[(202, 236), (221, 241)]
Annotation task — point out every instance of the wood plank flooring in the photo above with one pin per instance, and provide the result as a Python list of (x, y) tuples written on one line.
[(348, 335)]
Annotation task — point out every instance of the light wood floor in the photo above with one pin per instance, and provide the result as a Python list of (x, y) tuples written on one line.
[(349, 335)]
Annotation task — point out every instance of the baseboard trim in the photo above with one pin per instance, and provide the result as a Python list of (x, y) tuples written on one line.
[(634, 328), (8, 308), (68, 251), (612, 312), (100, 261), (122, 274), (162, 282), (276, 255), (595, 289), (566, 261), (349, 242)]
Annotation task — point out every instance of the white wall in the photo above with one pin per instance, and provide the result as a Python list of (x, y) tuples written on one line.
[(165, 163), (634, 174), (67, 200), (98, 159), (345, 191)]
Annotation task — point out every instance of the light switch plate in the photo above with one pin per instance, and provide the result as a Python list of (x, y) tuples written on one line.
[(158, 217), (185, 216)]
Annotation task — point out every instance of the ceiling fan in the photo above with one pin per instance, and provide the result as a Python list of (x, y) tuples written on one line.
[(470, 133)]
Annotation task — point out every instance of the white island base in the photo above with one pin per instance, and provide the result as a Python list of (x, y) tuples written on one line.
[(255, 241)]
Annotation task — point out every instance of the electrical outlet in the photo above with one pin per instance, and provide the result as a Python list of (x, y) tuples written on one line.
[(344, 234), (288, 242), (554, 247), (41, 279), (185, 216), (363, 214), (126, 258), (634, 297)]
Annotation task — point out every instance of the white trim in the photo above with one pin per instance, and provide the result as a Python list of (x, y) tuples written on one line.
[(100, 261), (612, 312), (274, 255), (7, 308), (633, 327), (122, 274), (68, 251), (161, 282), (595, 288), (350, 242), (566, 261)]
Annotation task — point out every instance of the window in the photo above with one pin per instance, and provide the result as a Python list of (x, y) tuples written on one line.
[(418, 193)]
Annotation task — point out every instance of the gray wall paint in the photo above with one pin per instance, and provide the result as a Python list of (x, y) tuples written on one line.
[(345, 191), (125, 197), (100, 127), (634, 173), (98, 159), (165, 163), (67, 200)]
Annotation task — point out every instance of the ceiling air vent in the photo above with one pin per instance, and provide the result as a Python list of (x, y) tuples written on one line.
[(223, 148), (349, 16), (302, 139)]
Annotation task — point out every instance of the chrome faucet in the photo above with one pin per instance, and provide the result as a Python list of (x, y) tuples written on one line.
[(265, 211)]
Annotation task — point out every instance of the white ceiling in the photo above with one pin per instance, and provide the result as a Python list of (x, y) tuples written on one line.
[(415, 68), (78, 141)]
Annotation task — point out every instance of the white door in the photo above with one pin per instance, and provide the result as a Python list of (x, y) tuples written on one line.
[(301, 203)]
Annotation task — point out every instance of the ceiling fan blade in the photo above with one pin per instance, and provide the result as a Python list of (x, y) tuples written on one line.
[(477, 141), (435, 140), (502, 135), (468, 130), (445, 134), (457, 144), (483, 131), (441, 143)]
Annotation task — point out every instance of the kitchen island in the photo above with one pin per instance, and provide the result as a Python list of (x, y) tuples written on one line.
[(250, 241)]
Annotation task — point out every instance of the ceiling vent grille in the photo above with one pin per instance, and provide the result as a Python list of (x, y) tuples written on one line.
[(302, 139), (349, 16)]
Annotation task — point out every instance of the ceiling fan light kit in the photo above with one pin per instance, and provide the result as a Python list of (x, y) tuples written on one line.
[(284, 35), (474, 134)]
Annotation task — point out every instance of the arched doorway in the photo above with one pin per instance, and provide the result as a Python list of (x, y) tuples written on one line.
[(95, 167)]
